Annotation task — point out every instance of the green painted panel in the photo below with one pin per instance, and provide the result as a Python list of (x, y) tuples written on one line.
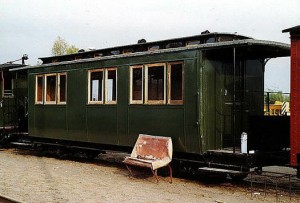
[(157, 120), (102, 124), (122, 107), (31, 106), (50, 122), (209, 103), (76, 104), (191, 106)]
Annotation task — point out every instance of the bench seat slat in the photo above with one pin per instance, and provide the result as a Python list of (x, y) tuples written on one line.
[(137, 162)]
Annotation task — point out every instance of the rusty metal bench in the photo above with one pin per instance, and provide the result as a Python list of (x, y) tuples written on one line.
[(152, 152)]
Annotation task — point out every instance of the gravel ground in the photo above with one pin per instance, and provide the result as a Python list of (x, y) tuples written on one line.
[(31, 178)]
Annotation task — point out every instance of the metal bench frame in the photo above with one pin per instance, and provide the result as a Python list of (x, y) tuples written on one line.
[(152, 152)]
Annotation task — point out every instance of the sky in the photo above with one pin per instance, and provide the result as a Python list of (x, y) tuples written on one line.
[(31, 26)]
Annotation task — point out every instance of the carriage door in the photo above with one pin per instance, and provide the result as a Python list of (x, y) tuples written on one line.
[(7, 114), (233, 103)]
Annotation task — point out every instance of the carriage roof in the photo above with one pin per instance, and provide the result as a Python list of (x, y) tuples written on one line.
[(248, 47)]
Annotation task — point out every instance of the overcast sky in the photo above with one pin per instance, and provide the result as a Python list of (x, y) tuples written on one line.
[(31, 26)]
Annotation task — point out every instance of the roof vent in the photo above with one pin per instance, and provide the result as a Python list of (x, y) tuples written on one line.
[(141, 41), (205, 32), (87, 49)]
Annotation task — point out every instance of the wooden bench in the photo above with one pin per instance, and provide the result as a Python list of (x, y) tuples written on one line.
[(151, 152)]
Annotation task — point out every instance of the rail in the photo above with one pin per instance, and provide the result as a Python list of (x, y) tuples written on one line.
[(7, 199), (276, 183)]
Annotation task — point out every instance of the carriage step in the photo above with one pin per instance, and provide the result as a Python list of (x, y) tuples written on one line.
[(220, 170), (22, 144)]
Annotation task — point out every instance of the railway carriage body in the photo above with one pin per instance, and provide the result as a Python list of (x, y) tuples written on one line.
[(202, 91), (200, 95)]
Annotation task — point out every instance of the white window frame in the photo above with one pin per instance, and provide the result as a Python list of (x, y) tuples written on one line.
[(45, 89), (106, 85), (89, 86), (175, 102), (36, 89), (154, 102), (58, 89), (131, 68)]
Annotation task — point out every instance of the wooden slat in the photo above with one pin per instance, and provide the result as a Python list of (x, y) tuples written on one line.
[(219, 170)]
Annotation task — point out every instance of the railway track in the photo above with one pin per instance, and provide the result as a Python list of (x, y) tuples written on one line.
[(277, 184), (267, 185), (6, 199)]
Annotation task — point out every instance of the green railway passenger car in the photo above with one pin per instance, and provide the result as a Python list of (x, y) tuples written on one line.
[(200, 90)]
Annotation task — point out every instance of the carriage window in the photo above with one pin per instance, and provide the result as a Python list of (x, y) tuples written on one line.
[(103, 86), (175, 77), (78, 57), (115, 52), (98, 55), (174, 45), (50, 87), (96, 86), (52, 90), (155, 84), (158, 88), (39, 89), (127, 51), (111, 86), (191, 43), (136, 84), (7, 84), (62, 88), (211, 40), (153, 48)]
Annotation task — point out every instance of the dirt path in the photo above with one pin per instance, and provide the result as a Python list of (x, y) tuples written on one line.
[(31, 178)]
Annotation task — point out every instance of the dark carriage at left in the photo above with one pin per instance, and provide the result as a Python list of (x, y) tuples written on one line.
[(14, 101)]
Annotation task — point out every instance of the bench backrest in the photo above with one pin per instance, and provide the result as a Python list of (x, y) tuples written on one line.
[(152, 147)]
